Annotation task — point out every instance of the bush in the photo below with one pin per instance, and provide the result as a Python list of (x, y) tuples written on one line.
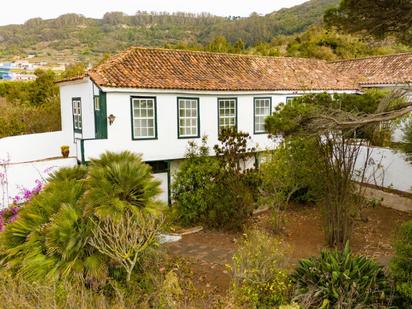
[(51, 237), (289, 173), (165, 283), (218, 192), (233, 203), (401, 265), (193, 184), (339, 280), (259, 280), (26, 119)]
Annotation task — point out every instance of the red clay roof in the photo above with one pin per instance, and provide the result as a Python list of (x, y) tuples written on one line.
[(390, 69), (192, 70)]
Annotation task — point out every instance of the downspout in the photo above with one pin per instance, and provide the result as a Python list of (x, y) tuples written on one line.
[(169, 194), (83, 161)]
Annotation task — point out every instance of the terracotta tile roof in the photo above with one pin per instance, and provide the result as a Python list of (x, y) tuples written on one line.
[(70, 79), (390, 69), (192, 70)]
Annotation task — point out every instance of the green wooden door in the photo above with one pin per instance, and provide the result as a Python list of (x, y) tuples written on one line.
[(100, 115)]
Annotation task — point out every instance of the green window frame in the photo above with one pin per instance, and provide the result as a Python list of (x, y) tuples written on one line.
[(291, 98), (227, 113), (77, 115), (144, 118), (262, 107), (188, 117)]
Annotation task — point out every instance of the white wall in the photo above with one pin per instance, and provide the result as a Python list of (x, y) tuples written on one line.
[(164, 185), (25, 174), (387, 168), (167, 146), (85, 91), (32, 147)]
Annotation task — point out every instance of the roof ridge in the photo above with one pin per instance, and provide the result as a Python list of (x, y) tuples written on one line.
[(215, 53), (371, 57), (112, 59)]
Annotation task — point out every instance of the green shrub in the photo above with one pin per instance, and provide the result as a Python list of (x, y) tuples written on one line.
[(401, 265), (289, 173), (216, 191), (26, 119), (232, 204), (259, 280), (193, 185), (51, 237), (339, 280)]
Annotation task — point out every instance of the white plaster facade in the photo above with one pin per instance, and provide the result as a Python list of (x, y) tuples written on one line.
[(166, 148)]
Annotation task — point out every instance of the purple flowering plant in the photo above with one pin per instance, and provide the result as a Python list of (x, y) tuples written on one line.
[(10, 214)]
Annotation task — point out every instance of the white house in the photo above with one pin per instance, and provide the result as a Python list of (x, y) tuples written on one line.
[(153, 101)]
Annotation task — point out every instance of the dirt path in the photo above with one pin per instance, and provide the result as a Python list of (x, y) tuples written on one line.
[(209, 251)]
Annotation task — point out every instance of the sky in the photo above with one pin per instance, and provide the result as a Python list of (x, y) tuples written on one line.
[(18, 11)]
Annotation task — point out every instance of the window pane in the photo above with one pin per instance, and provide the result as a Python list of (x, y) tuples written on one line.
[(262, 110), (144, 118), (188, 121), (97, 103), (227, 113)]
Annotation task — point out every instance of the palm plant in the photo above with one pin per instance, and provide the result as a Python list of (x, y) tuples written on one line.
[(118, 182), (50, 239)]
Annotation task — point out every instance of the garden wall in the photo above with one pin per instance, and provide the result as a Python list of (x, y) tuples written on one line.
[(24, 175), (387, 168), (32, 147)]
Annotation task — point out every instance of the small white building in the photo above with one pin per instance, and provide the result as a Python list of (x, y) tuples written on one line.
[(153, 101)]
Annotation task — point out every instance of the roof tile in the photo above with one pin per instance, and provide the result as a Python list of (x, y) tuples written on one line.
[(193, 70), (389, 69)]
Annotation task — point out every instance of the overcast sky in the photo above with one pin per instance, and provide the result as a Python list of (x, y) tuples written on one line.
[(18, 11)]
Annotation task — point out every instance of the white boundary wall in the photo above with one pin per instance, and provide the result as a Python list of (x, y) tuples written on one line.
[(33, 147), (387, 168), (24, 175)]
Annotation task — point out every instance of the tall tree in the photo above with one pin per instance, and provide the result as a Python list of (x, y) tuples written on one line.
[(379, 18)]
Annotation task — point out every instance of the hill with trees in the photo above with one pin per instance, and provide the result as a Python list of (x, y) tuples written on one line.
[(295, 31)]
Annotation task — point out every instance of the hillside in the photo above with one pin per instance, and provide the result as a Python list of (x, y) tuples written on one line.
[(73, 37), (257, 28)]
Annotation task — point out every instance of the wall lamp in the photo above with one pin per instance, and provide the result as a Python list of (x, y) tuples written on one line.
[(111, 119)]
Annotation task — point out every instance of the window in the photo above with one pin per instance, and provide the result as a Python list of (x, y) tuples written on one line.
[(96, 103), (227, 113), (144, 118), (263, 107), (188, 117), (77, 114), (289, 99)]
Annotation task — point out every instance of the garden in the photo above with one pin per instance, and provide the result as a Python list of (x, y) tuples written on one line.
[(283, 228)]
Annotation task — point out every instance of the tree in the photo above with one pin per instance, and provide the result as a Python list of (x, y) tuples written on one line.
[(379, 18), (407, 137), (219, 44), (44, 88), (333, 120), (74, 70)]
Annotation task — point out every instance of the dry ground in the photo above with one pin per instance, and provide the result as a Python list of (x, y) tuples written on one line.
[(209, 251)]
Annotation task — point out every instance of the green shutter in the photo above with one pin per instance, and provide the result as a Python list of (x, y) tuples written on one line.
[(100, 117)]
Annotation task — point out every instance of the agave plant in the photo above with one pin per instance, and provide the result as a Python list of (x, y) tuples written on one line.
[(337, 279)]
